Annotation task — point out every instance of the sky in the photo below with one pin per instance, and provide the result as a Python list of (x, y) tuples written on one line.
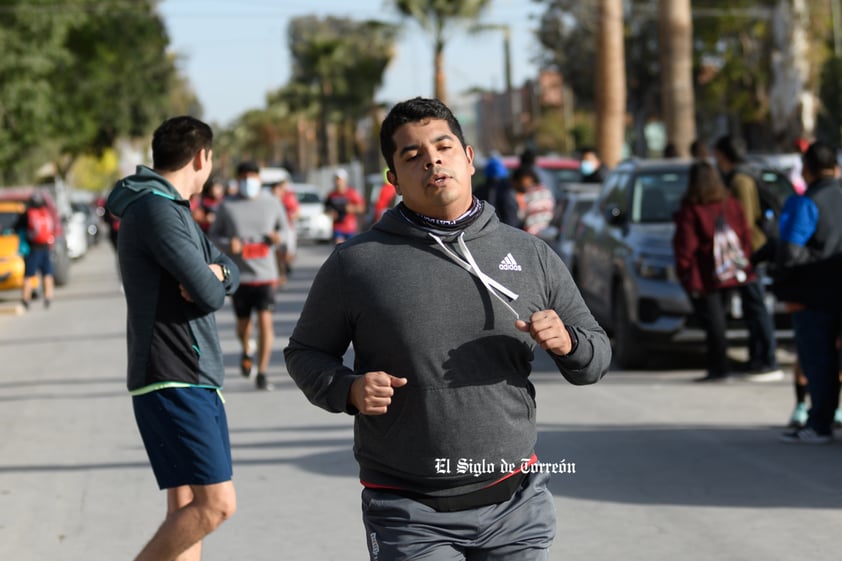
[(234, 51)]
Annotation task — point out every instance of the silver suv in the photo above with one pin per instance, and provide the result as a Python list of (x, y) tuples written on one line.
[(624, 264)]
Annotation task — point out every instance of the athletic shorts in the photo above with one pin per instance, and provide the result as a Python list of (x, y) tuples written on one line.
[(521, 528), (38, 260), (250, 297), (344, 236), (185, 432)]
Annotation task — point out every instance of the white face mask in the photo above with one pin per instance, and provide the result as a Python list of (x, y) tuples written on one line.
[(587, 167), (250, 187)]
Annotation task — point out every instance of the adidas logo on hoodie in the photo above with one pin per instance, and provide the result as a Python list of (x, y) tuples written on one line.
[(509, 264)]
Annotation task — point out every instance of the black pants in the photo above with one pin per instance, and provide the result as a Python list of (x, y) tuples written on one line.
[(761, 328), (710, 311)]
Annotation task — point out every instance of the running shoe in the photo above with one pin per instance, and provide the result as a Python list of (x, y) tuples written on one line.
[(246, 365), (262, 383), (806, 436)]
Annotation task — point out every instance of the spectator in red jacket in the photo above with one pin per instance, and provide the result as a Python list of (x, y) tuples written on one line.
[(695, 222)]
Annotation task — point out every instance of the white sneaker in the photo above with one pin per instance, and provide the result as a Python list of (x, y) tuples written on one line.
[(773, 375)]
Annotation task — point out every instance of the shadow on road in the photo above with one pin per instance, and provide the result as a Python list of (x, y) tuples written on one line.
[(692, 466)]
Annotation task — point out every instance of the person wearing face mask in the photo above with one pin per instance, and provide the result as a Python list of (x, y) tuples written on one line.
[(248, 228), (591, 166)]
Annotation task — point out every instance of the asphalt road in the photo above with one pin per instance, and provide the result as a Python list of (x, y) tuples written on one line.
[(664, 469)]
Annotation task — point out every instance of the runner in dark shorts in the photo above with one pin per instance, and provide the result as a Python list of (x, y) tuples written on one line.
[(253, 297)]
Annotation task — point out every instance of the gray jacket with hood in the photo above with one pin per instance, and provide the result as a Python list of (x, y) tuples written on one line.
[(170, 341), (411, 309)]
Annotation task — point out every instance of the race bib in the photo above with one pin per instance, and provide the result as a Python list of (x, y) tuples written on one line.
[(255, 251)]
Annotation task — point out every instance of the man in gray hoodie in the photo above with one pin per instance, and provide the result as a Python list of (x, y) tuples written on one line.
[(174, 280), (444, 306)]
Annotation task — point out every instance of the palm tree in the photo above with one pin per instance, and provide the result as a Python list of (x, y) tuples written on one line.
[(436, 17), (610, 82), (676, 40)]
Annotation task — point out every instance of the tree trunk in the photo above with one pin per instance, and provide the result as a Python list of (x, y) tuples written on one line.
[(439, 82), (610, 82), (675, 26), (792, 106)]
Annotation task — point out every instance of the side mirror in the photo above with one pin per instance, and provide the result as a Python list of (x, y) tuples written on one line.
[(615, 216)]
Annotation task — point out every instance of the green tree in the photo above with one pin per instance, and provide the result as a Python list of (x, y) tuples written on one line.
[(78, 74), (337, 66), (733, 48), (118, 82), (32, 35), (567, 34), (437, 17)]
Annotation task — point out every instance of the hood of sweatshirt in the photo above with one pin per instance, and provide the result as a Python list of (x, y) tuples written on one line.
[(144, 182)]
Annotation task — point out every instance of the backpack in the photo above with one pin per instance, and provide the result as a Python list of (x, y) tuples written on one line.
[(40, 226), (729, 261)]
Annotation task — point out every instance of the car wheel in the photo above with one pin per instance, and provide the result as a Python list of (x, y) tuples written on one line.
[(629, 353)]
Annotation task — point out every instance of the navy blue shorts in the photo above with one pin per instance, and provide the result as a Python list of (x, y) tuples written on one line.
[(185, 432), (38, 260)]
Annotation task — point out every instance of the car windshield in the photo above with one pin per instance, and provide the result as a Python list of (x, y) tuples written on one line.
[(308, 198), (657, 195), (8, 220)]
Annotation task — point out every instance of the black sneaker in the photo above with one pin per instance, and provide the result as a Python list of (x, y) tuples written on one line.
[(46, 304), (25, 304), (713, 378), (262, 383), (806, 436)]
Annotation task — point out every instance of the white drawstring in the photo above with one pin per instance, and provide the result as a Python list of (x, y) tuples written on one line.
[(468, 263)]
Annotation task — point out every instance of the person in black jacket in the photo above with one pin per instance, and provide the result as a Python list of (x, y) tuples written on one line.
[(809, 261)]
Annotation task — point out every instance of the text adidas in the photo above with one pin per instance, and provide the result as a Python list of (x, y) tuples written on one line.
[(509, 264)]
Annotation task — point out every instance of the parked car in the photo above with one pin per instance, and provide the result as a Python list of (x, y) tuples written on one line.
[(61, 257), (624, 263), (314, 224), (93, 226), (576, 199), (76, 231), (11, 262)]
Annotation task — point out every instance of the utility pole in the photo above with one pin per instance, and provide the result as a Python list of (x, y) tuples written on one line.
[(514, 101)]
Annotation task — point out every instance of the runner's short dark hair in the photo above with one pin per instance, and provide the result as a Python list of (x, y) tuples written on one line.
[(413, 111)]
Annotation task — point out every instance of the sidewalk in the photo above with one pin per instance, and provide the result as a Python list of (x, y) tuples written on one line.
[(665, 469)]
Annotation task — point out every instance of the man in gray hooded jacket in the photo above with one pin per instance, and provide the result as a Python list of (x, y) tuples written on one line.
[(174, 280), (444, 306)]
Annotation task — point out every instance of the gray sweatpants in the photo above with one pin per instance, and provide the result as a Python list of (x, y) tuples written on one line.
[(520, 529)]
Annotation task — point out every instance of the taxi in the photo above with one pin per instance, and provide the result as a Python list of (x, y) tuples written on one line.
[(11, 261)]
